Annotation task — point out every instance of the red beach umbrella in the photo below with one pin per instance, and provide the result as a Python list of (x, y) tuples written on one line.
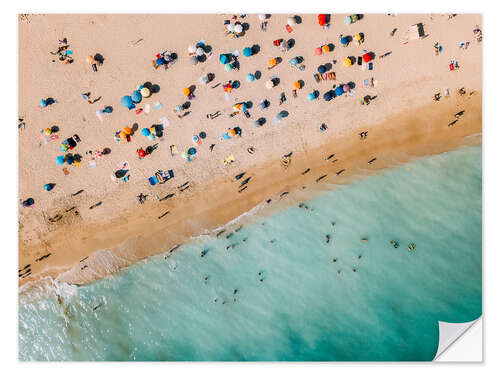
[(322, 19), (367, 57)]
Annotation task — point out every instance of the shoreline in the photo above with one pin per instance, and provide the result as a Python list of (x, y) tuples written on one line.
[(402, 123), (435, 138)]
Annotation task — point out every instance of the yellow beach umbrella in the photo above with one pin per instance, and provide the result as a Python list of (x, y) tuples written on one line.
[(145, 92), (90, 59), (186, 91), (347, 62), (272, 63), (357, 37), (325, 48), (48, 131), (232, 132), (127, 130), (296, 85)]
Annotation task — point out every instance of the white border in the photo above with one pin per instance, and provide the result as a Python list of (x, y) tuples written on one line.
[(8, 349)]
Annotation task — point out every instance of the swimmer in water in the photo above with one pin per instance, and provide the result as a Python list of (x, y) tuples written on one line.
[(327, 238), (203, 252), (215, 300), (411, 247), (334, 260), (364, 239), (354, 270), (261, 280), (333, 223), (359, 256), (395, 244)]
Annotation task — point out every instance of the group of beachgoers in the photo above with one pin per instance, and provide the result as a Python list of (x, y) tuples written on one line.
[(200, 52)]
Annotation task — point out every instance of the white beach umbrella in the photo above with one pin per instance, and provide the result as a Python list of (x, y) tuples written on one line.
[(291, 21), (269, 84), (191, 48), (238, 28), (262, 17), (200, 51), (230, 27)]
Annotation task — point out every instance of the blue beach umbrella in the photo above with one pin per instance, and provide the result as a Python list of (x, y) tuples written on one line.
[(293, 61), (224, 58), (43, 103), (339, 91), (347, 20), (136, 96), (192, 151), (60, 160), (311, 96), (343, 40), (160, 61), (321, 69), (145, 132), (328, 96), (247, 52), (250, 77), (127, 102), (48, 187)]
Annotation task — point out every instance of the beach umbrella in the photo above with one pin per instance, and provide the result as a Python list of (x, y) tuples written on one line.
[(185, 155), (136, 96), (261, 105), (186, 91), (160, 61), (127, 102), (48, 187), (230, 27), (347, 62), (357, 37), (191, 48), (43, 103), (250, 77), (321, 69), (269, 84), (296, 85), (60, 160), (346, 88), (178, 108), (224, 58), (277, 118), (145, 132), (325, 48), (347, 20), (328, 96), (343, 41), (256, 123), (262, 17), (145, 92), (247, 52), (232, 132), (272, 62), (284, 46), (199, 51), (28, 202), (354, 17), (367, 57), (127, 130), (193, 60), (339, 90), (293, 61), (151, 137), (48, 131), (311, 96), (322, 19), (291, 21), (192, 151), (318, 51), (238, 28), (204, 80), (228, 67), (90, 59)]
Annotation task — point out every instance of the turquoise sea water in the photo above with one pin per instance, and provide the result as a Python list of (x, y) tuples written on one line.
[(303, 310)]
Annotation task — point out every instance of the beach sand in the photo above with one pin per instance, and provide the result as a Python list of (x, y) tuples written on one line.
[(403, 122)]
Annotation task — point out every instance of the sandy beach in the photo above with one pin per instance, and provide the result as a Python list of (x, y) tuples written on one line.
[(403, 122)]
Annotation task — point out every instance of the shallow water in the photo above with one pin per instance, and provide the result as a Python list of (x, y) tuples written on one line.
[(303, 310)]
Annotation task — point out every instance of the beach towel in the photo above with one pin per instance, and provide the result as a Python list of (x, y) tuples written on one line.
[(288, 28), (158, 106), (147, 108), (164, 121), (366, 82)]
